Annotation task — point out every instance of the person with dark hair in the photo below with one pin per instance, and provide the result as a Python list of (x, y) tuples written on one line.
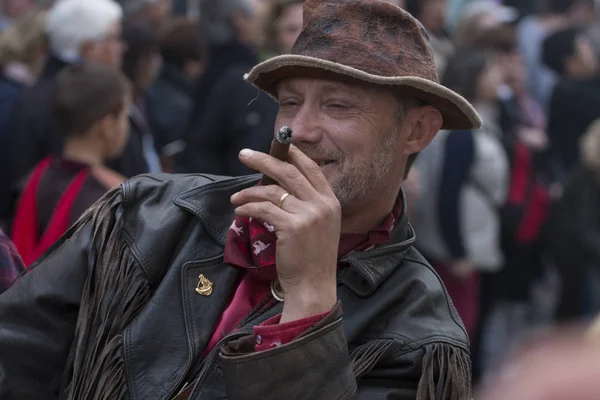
[(573, 233), (169, 100), (464, 180), (141, 62), (575, 100), (228, 114), (90, 105), (554, 15)]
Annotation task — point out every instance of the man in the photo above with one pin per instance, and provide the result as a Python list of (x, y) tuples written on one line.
[(552, 16), (78, 31), (575, 101), (165, 286), (228, 114)]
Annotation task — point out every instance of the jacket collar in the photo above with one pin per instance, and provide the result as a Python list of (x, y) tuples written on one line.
[(369, 269)]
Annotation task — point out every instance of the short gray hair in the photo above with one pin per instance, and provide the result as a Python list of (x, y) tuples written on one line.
[(72, 22), (216, 19)]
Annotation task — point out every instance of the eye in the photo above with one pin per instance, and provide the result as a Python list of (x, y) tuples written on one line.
[(288, 103)]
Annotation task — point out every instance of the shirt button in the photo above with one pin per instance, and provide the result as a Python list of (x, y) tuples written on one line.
[(258, 339)]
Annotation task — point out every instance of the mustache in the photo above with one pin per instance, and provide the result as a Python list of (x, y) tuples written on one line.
[(320, 152)]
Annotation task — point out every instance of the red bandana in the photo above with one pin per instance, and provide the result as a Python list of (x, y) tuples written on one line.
[(251, 243)]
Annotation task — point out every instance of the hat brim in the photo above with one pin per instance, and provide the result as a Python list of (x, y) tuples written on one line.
[(458, 113)]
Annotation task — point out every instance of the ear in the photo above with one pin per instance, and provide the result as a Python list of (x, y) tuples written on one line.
[(424, 124)]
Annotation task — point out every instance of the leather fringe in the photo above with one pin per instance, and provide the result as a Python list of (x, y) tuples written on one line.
[(364, 358), (114, 293), (452, 366)]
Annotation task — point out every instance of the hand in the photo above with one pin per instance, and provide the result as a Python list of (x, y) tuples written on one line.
[(462, 269), (533, 138), (307, 227)]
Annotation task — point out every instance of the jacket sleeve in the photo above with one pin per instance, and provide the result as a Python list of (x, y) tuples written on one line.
[(318, 366), (39, 313)]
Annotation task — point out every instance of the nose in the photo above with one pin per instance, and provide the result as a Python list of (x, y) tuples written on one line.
[(306, 125)]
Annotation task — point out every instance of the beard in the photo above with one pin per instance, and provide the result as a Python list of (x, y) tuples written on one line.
[(355, 180)]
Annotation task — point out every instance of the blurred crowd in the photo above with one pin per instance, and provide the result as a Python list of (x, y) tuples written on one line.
[(93, 92)]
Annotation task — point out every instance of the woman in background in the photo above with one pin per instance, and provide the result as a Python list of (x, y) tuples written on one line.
[(283, 25), (464, 177), (22, 56)]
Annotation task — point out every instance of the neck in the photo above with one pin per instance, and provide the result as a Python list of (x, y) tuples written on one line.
[(367, 215), (82, 151)]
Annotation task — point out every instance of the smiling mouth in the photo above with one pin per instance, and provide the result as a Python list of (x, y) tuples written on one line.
[(325, 162)]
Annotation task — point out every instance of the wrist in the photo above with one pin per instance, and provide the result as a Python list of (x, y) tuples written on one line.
[(304, 302)]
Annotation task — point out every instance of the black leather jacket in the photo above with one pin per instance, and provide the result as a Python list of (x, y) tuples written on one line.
[(111, 312)]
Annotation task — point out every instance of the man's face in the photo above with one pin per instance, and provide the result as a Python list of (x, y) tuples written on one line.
[(351, 131), (586, 63), (107, 52)]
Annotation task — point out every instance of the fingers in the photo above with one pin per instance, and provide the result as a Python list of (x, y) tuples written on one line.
[(264, 211), (271, 193), (287, 175), (310, 170)]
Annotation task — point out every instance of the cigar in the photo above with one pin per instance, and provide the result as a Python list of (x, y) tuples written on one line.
[(279, 149)]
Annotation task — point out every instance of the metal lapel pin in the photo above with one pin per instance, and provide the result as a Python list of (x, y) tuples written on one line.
[(204, 287)]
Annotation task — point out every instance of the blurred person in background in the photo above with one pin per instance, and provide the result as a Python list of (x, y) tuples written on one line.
[(23, 51), (11, 10), (432, 14), (153, 12), (522, 217), (283, 26), (170, 98), (573, 234), (463, 179), (141, 62), (229, 114), (553, 15), (575, 100), (478, 17), (90, 104), (11, 264), (78, 31)]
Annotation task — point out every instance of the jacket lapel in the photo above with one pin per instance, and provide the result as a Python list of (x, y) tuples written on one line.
[(204, 300)]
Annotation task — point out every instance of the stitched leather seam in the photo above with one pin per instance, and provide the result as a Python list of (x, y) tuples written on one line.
[(446, 295)]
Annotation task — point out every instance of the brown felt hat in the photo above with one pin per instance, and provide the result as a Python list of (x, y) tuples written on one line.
[(370, 41)]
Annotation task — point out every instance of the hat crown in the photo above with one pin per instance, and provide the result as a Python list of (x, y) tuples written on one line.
[(370, 35)]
